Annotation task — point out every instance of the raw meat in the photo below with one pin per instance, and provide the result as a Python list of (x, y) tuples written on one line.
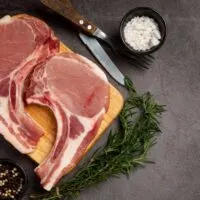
[(73, 87), (77, 92), (25, 41)]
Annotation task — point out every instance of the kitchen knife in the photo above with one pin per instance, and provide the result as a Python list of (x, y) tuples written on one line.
[(103, 58), (67, 10)]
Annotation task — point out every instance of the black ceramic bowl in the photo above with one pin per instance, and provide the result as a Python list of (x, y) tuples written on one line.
[(147, 12), (23, 173)]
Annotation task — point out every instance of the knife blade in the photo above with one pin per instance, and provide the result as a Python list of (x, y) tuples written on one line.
[(99, 53)]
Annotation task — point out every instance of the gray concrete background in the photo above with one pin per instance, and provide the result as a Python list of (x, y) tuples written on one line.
[(174, 79)]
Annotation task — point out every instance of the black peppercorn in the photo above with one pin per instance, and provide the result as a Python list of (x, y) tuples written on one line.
[(12, 181)]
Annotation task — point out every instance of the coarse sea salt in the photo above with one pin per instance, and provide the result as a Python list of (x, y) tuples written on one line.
[(142, 33)]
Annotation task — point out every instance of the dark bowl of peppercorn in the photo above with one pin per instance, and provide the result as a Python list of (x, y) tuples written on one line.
[(13, 180)]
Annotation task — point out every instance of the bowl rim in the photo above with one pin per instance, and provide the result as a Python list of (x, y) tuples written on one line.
[(161, 20), (15, 163)]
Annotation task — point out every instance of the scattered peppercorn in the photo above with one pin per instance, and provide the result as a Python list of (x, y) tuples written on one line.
[(11, 181)]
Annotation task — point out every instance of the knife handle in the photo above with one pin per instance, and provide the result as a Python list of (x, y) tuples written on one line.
[(66, 9)]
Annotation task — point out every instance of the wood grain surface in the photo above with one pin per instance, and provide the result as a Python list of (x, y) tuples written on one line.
[(46, 119)]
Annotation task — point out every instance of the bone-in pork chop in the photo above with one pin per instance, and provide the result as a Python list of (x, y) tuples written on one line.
[(77, 92), (24, 42)]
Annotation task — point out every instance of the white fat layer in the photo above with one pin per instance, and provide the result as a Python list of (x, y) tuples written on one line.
[(12, 139), (6, 19), (47, 162), (4, 108), (72, 147), (5, 131)]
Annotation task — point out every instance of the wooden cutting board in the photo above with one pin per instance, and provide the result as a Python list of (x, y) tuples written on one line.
[(46, 119)]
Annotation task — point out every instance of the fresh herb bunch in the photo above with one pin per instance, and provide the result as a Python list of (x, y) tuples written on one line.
[(125, 150)]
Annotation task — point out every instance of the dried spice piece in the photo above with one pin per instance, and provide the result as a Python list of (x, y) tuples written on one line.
[(12, 181)]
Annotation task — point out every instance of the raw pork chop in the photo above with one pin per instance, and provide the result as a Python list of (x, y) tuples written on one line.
[(77, 92), (24, 42)]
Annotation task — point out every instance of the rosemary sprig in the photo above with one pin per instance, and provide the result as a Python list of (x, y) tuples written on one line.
[(125, 150)]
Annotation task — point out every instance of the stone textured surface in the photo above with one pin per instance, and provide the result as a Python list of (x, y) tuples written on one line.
[(174, 78)]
